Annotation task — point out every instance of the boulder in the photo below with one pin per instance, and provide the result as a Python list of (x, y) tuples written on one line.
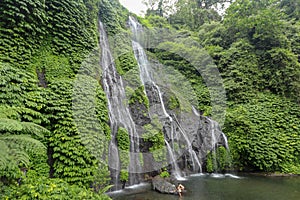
[(163, 186)]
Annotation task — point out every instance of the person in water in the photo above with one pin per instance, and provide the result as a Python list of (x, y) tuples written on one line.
[(180, 188)]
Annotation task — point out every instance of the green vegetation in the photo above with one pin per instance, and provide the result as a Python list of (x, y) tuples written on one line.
[(123, 176), (137, 96), (154, 136), (54, 123), (123, 52), (19, 149), (264, 134), (164, 174), (173, 103), (123, 141), (36, 187), (218, 160), (54, 129), (256, 49)]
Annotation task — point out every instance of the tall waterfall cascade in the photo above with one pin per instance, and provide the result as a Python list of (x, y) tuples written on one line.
[(188, 136), (119, 114)]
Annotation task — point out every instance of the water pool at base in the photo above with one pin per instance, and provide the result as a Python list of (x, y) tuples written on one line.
[(222, 187)]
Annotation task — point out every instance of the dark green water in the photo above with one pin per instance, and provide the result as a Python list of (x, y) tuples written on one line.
[(220, 187)]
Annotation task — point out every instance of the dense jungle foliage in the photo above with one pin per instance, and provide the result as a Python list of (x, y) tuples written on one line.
[(54, 118), (255, 46), (54, 128)]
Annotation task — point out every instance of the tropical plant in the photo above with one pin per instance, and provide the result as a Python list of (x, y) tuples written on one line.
[(164, 174), (40, 187), (18, 144)]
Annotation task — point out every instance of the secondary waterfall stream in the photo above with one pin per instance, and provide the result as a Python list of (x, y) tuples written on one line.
[(148, 81)]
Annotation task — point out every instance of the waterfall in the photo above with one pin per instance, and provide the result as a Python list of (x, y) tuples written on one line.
[(119, 115), (214, 127), (196, 163), (188, 136), (173, 161), (217, 138), (145, 76), (148, 81)]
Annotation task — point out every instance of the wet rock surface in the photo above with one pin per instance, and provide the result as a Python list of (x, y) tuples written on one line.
[(163, 185)]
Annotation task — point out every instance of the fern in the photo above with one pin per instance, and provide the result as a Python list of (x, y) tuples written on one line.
[(16, 144), (14, 126), (105, 189), (14, 152), (23, 142), (8, 112), (10, 125), (4, 157)]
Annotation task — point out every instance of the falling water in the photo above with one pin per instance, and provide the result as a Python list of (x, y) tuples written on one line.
[(146, 78), (196, 163), (195, 111), (119, 114), (221, 136), (177, 172), (192, 141), (216, 137)]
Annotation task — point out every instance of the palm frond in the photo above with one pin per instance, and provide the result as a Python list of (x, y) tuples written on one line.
[(105, 189), (19, 157)]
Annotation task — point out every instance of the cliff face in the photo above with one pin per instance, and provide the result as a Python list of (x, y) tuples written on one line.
[(163, 130)]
